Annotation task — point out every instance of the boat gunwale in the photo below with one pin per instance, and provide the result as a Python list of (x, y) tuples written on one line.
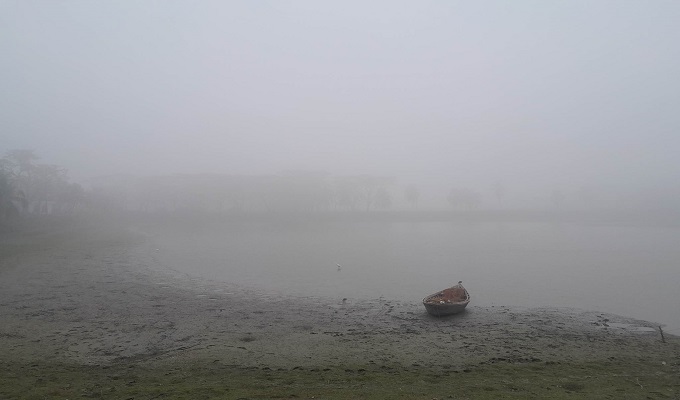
[(450, 308)]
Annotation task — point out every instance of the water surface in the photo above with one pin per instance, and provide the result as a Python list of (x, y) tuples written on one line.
[(631, 271)]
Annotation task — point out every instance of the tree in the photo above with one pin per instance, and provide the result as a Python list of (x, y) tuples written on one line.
[(412, 195), (47, 181), (29, 185), (383, 200), (464, 198), (21, 162), (15, 168), (6, 196), (72, 196), (19, 169), (345, 193), (358, 191)]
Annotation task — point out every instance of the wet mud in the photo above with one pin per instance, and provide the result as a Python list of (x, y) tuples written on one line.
[(99, 296)]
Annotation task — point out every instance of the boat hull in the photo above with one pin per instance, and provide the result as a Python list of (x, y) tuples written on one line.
[(448, 301), (442, 310)]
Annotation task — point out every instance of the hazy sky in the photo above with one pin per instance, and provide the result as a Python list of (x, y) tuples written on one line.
[(545, 93)]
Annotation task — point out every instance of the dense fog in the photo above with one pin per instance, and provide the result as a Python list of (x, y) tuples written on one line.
[(352, 199), (496, 104)]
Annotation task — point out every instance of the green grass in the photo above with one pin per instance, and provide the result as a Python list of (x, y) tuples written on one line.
[(596, 380)]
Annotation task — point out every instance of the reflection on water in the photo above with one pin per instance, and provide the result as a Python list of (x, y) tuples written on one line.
[(626, 270)]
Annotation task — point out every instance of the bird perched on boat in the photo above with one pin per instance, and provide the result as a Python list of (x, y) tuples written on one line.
[(339, 267)]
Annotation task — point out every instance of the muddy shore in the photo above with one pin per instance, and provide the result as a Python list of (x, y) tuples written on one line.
[(92, 295)]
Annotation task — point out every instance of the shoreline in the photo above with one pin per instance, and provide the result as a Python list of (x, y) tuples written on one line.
[(93, 296)]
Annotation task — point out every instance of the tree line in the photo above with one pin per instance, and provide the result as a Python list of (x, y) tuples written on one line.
[(28, 187), (291, 192)]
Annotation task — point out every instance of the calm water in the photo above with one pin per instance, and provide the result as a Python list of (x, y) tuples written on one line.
[(631, 271)]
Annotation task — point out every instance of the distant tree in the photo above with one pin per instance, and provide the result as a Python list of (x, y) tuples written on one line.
[(16, 169), (358, 191), (47, 181), (20, 162), (412, 195), (383, 200), (32, 187), (367, 187), (19, 168), (72, 196), (7, 195), (464, 198), (345, 193)]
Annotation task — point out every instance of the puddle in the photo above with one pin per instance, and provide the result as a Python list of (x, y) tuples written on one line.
[(630, 327)]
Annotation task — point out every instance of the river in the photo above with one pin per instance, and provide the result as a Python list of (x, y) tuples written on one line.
[(627, 270)]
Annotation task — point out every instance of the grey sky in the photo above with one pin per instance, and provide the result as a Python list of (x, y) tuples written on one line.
[(533, 93)]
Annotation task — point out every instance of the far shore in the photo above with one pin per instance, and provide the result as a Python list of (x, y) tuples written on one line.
[(614, 217)]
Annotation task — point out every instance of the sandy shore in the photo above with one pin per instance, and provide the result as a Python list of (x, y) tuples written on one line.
[(95, 296)]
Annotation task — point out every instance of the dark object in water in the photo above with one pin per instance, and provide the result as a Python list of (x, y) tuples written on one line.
[(447, 302)]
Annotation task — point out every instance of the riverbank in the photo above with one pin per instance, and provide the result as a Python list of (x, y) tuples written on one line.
[(85, 309)]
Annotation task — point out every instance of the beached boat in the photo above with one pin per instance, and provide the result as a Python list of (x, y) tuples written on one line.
[(448, 301)]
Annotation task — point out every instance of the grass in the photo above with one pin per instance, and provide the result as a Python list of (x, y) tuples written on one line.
[(596, 380)]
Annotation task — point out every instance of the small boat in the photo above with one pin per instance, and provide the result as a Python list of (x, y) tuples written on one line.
[(447, 302)]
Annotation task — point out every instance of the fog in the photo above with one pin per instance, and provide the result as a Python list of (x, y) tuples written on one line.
[(501, 111), (540, 96)]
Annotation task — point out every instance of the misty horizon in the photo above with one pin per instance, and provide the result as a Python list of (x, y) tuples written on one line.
[(541, 97)]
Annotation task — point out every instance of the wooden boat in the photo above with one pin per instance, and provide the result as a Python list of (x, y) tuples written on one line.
[(447, 302)]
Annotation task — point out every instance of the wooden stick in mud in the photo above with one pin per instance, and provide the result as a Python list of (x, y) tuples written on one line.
[(663, 339)]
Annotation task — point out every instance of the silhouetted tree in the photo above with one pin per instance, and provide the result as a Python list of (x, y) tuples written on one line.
[(7, 206), (34, 187), (20, 162)]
